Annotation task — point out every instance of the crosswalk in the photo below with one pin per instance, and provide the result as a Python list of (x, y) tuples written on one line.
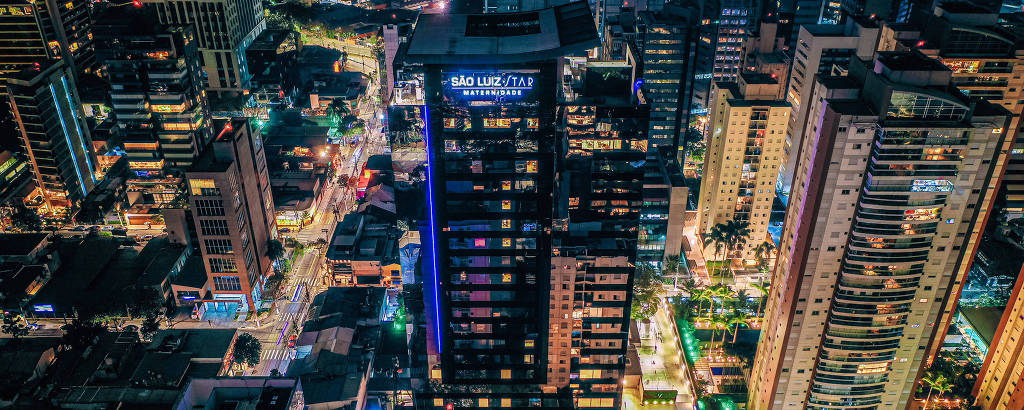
[(273, 354)]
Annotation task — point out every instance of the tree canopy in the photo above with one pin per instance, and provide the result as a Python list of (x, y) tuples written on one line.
[(247, 350)]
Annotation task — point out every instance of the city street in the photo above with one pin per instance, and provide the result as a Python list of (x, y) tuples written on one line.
[(308, 276)]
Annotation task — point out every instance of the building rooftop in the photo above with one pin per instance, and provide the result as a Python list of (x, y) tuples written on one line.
[(984, 320), (192, 273), (503, 38), (20, 244), (909, 61)]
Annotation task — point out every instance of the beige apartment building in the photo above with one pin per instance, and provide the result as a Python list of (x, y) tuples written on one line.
[(747, 137), (894, 181)]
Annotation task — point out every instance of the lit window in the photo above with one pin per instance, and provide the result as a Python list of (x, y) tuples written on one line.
[(506, 205), (506, 373), (438, 402), (506, 185), (484, 402), (528, 358), (506, 224), (506, 277), (531, 166), (480, 242), (506, 402), (436, 374), (506, 242), (528, 343)]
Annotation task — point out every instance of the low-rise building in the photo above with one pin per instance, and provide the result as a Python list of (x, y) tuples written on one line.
[(363, 251), (260, 393)]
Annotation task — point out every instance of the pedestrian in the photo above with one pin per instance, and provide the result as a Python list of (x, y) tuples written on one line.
[(210, 322)]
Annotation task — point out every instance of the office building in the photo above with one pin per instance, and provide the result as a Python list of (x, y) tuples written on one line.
[(156, 92), (662, 216), (662, 54), (232, 208), (896, 177), (519, 313), (746, 138), (224, 29), (821, 49), (33, 31), (808, 12), (53, 133), (729, 22), (987, 64)]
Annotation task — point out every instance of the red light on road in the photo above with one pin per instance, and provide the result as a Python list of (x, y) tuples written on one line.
[(920, 43), (450, 406), (137, 4)]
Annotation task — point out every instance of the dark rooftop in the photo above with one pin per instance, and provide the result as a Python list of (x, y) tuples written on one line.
[(192, 274), (909, 61), (19, 244), (505, 38)]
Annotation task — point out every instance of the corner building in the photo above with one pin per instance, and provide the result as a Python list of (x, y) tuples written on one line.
[(896, 176), (232, 209), (529, 261)]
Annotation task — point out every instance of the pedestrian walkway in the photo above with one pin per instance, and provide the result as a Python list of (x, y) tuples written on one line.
[(662, 362)]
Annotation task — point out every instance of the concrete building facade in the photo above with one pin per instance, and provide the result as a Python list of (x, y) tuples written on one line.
[(895, 180)]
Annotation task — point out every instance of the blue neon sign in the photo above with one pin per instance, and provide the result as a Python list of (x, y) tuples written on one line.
[(490, 85)]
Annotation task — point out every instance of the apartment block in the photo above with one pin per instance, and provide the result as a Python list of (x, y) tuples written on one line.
[(53, 134), (894, 182), (745, 151), (224, 29), (821, 49), (232, 209), (33, 31), (156, 93)]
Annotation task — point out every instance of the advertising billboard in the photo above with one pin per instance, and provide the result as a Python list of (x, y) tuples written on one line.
[(489, 87)]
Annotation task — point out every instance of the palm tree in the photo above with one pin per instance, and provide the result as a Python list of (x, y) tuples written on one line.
[(761, 254), (737, 318), (735, 234), (764, 295), (701, 295), (717, 238), (935, 382), (671, 264), (723, 292), (742, 299), (336, 109), (720, 322)]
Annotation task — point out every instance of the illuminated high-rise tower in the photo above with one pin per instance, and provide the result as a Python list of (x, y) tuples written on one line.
[(534, 212), (895, 178)]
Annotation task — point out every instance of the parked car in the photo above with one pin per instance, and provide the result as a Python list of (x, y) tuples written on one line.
[(291, 340), (284, 230)]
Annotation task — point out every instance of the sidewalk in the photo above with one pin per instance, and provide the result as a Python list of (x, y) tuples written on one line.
[(662, 363)]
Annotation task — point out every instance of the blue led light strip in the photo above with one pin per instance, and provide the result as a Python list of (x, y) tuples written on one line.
[(433, 226), (67, 137), (78, 126)]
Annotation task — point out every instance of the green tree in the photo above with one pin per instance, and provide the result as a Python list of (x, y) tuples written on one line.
[(736, 319), (736, 233), (762, 253), (275, 250), (646, 292), (15, 325), (145, 302), (672, 264), (81, 333), (715, 237), (25, 219), (935, 382), (337, 109), (247, 350), (764, 295), (150, 326)]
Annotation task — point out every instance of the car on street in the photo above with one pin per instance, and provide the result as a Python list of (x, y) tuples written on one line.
[(80, 228), (284, 230), (131, 328), (291, 340)]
